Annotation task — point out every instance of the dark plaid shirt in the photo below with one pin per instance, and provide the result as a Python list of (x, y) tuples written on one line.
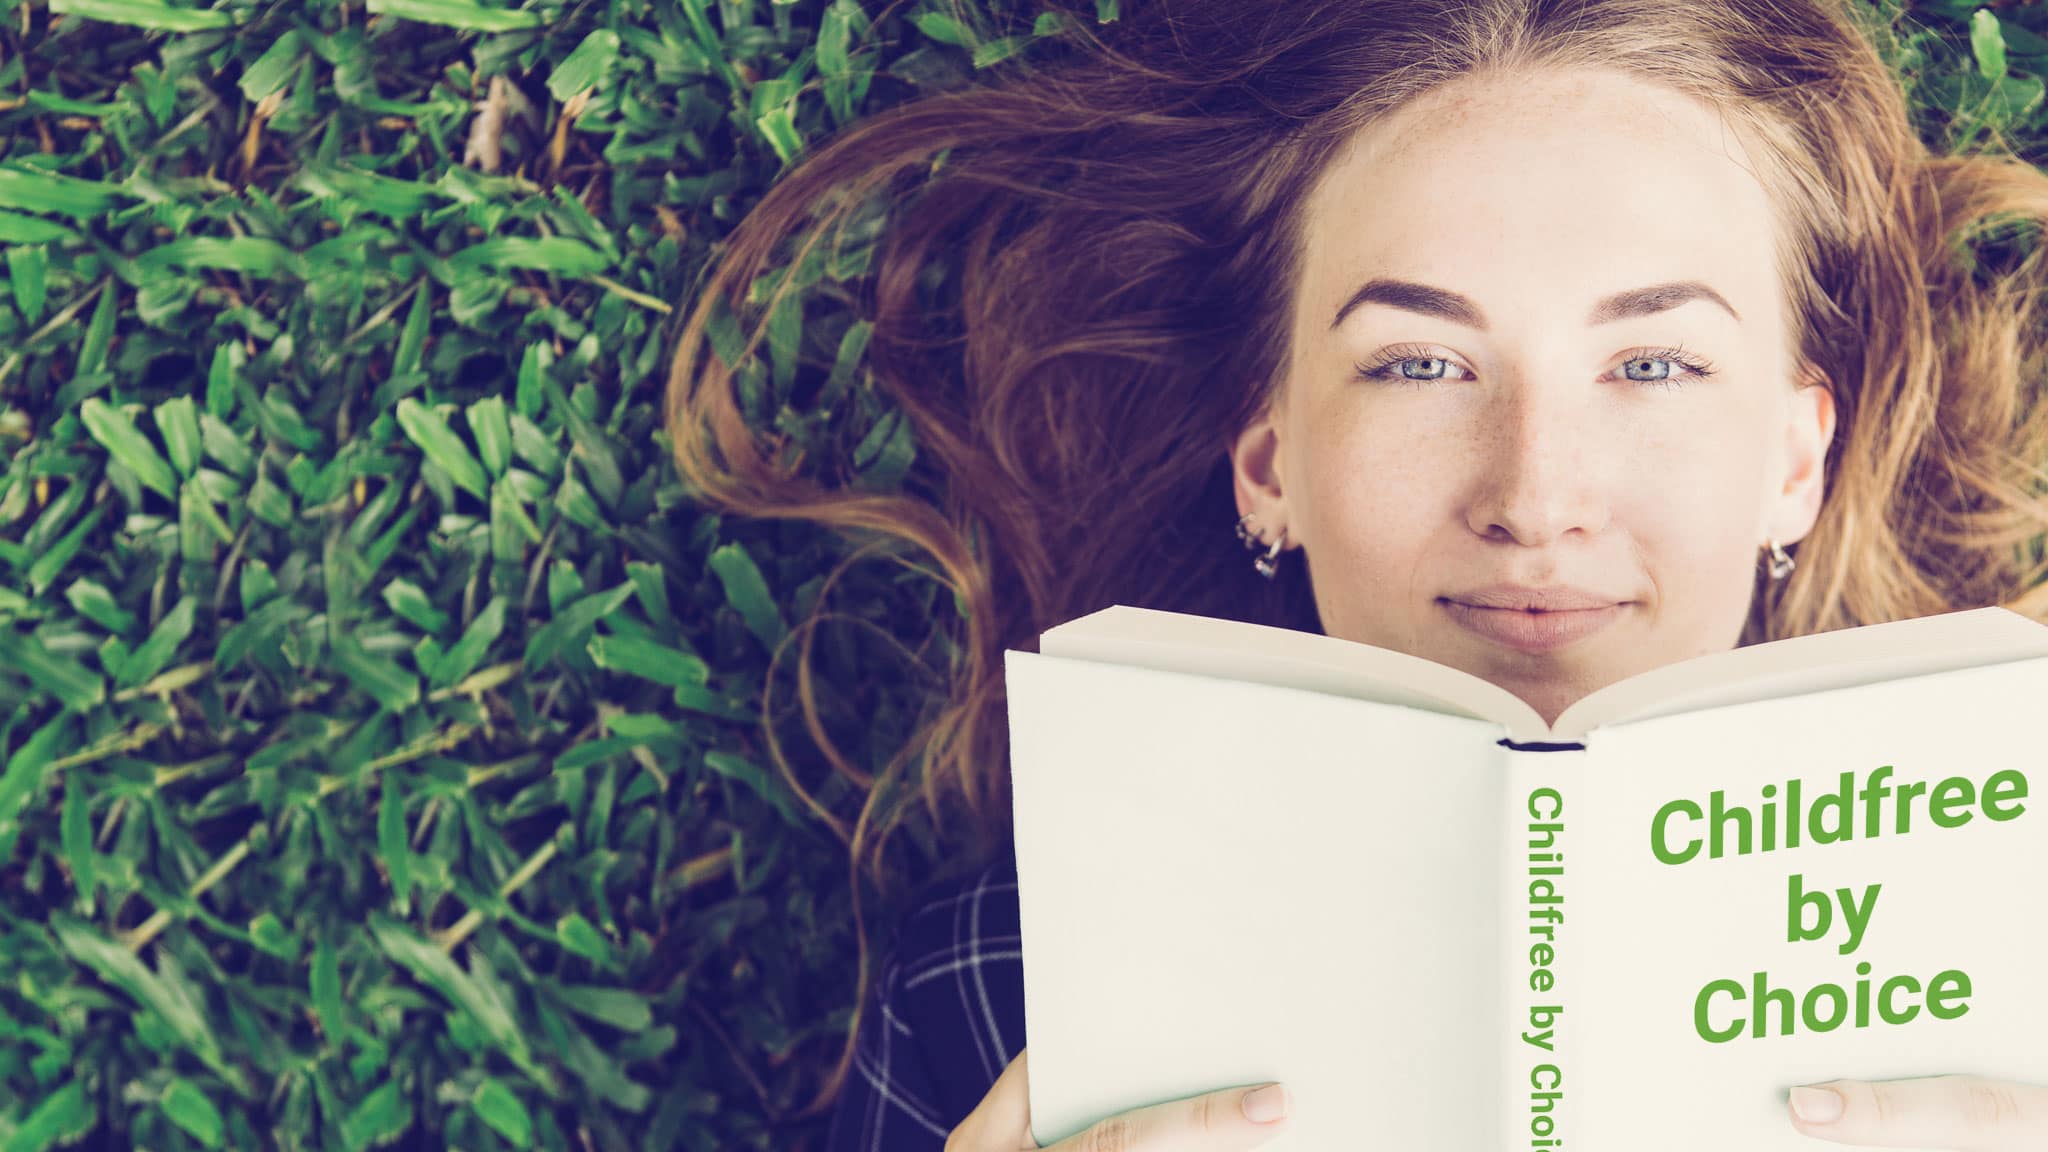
[(945, 1017)]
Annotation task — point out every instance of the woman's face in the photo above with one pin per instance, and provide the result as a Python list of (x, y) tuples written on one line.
[(1535, 422)]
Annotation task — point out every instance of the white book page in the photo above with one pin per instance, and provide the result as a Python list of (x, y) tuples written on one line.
[(1223, 884), (1149, 638), (1970, 898), (1800, 664)]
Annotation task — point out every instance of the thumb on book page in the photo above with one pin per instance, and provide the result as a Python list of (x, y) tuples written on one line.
[(1226, 1120)]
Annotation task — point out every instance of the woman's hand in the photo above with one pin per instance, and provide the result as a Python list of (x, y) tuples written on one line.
[(1212, 1122), (1966, 1113)]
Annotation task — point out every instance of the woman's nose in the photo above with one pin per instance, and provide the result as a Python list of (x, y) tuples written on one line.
[(1543, 460)]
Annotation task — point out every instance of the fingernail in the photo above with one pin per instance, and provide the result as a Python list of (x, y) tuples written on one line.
[(1816, 1105), (1265, 1105)]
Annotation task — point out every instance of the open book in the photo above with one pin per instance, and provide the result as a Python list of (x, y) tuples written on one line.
[(1250, 854)]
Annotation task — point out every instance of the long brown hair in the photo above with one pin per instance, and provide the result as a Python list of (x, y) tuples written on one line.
[(1085, 285)]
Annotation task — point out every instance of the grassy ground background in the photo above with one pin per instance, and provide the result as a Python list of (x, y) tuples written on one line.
[(382, 762)]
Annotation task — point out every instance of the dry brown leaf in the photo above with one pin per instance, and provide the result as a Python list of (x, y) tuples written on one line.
[(571, 109), (252, 140)]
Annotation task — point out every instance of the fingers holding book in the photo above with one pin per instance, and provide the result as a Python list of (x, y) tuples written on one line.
[(1966, 1113), (1221, 1121)]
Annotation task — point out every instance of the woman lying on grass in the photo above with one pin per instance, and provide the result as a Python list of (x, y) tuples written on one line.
[(1529, 337)]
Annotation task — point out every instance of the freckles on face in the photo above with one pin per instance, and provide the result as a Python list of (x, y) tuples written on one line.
[(1395, 492), (1691, 504), (1376, 493), (1494, 427)]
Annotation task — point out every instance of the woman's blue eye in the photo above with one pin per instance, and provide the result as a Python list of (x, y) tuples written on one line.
[(1395, 367), (1648, 363), (1437, 374)]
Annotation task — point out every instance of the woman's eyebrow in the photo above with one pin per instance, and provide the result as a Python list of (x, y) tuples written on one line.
[(1413, 297)]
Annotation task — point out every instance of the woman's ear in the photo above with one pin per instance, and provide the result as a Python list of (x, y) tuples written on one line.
[(1255, 475), (1809, 430)]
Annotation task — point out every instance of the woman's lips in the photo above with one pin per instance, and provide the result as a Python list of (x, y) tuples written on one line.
[(1533, 631)]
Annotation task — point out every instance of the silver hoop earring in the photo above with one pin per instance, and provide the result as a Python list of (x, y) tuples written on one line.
[(1244, 534), (1781, 561), (1269, 564)]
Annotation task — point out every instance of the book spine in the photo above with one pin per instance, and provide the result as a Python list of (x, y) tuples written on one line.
[(1539, 990)]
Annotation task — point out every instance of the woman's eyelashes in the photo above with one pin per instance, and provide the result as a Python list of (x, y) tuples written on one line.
[(1656, 367)]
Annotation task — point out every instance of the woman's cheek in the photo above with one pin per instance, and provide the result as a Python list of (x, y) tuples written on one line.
[(1383, 464), (1706, 471)]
